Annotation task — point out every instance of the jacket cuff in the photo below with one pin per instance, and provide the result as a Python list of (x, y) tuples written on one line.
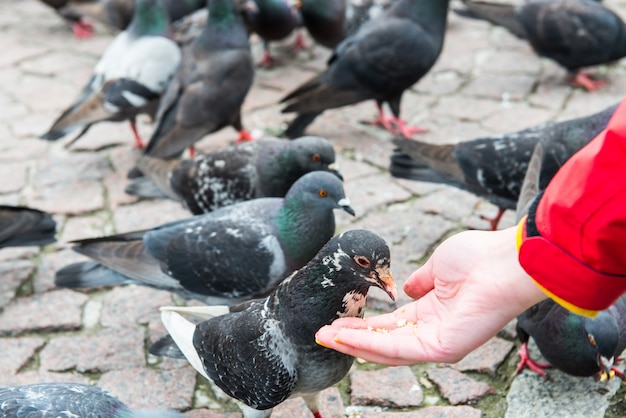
[(552, 269)]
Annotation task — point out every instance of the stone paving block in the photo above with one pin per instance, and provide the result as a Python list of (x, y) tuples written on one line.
[(467, 108), (81, 227), (111, 349), (17, 253), (54, 311), (396, 387), (133, 304), (331, 406), (148, 214), (73, 198), (63, 167), (14, 274), (16, 352), (374, 191), (17, 173), (517, 116), (439, 82), (428, 412), (146, 388), (38, 376), (500, 86), (207, 413), (22, 149), (439, 203), (486, 358), (456, 387)]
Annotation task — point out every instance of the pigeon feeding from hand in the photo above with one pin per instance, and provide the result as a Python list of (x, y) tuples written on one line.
[(573, 33), (262, 168), (130, 77), (70, 400), (494, 167), (379, 62), (267, 353), (224, 257), (21, 226)]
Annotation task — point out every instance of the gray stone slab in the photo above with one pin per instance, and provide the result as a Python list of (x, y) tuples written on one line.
[(60, 310), (427, 412), (14, 274), (127, 305), (395, 387), (331, 406), (16, 352), (457, 387), (147, 388), (110, 349), (486, 358)]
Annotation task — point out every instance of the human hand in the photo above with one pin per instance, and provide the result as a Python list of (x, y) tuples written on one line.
[(466, 292)]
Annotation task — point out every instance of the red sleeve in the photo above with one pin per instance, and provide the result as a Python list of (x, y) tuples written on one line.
[(573, 241)]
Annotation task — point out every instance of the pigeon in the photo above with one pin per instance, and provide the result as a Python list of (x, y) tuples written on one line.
[(573, 33), (266, 353), (330, 21), (130, 77), (80, 27), (117, 14), (210, 85), (70, 400), (494, 167), (383, 58), (21, 226), (263, 168), (575, 344), (272, 21), (224, 257)]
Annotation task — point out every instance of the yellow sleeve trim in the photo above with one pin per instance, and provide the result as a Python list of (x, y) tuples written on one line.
[(567, 305)]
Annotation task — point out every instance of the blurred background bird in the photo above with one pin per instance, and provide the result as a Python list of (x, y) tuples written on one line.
[(129, 78), (22, 226)]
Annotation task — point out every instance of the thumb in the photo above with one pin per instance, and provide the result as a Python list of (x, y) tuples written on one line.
[(421, 281)]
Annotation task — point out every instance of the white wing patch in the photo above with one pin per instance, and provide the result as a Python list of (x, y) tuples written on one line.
[(353, 303), (278, 266)]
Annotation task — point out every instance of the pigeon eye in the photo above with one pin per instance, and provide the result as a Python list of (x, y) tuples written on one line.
[(591, 339), (316, 157), (362, 261), (323, 193)]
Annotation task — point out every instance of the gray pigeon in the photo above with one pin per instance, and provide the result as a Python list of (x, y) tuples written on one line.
[(70, 400), (130, 77), (266, 353), (21, 226), (382, 59), (573, 33), (210, 85), (494, 167), (262, 168), (223, 257), (575, 344)]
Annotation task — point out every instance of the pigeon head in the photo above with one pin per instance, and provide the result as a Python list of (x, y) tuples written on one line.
[(314, 153), (318, 189), (603, 336), (365, 255)]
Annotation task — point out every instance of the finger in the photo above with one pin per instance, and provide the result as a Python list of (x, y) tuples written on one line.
[(372, 346), (421, 281)]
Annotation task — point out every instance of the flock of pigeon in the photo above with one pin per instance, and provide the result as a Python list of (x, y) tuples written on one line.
[(271, 201)]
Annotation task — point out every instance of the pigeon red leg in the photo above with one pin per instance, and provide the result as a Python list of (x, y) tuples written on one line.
[(82, 29), (244, 136), (298, 44), (618, 373), (493, 222), (405, 130), (192, 151), (382, 120), (267, 61), (585, 80), (138, 142), (525, 360)]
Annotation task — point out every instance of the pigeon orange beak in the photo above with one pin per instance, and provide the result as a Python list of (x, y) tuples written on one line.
[(387, 283)]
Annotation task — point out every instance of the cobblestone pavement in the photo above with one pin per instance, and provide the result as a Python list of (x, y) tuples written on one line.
[(486, 82)]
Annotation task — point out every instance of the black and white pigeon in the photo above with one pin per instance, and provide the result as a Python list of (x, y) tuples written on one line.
[(130, 77), (266, 353), (573, 33), (70, 400), (379, 62), (262, 168), (494, 167), (227, 256), (21, 226), (575, 344), (210, 85)]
